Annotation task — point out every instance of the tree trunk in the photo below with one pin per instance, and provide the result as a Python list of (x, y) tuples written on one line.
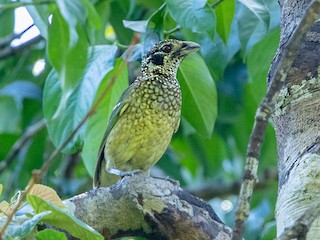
[(297, 123)]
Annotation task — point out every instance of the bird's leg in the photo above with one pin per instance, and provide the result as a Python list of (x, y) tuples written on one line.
[(123, 173)]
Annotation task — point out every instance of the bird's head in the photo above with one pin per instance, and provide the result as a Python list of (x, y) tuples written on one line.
[(165, 56)]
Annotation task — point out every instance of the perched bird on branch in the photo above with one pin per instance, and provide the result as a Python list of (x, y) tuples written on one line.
[(146, 116)]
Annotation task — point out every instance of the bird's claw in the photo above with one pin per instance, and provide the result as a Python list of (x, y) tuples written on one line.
[(139, 171), (174, 182)]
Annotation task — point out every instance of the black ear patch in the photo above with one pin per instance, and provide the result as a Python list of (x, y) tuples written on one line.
[(157, 59)]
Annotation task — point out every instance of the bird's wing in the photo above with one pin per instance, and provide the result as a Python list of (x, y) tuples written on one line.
[(118, 110), (177, 125)]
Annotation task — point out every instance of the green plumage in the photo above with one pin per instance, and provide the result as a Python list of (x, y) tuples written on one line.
[(147, 114)]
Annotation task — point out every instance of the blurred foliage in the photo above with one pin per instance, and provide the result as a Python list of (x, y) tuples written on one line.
[(83, 44)]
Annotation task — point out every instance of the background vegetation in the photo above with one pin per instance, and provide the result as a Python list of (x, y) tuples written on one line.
[(83, 45)]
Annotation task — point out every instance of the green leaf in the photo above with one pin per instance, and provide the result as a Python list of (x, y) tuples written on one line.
[(97, 35), (22, 89), (186, 155), (258, 64), (211, 50), (34, 150), (68, 61), (10, 121), (6, 22), (97, 124), (210, 153), (169, 24), (196, 152), (255, 20), (22, 225), (199, 96), (224, 12), (73, 12), (258, 8), (154, 28), (269, 230), (154, 31), (61, 218), (137, 26), (50, 234), (101, 61), (93, 17), (194, 15), (119, 11)]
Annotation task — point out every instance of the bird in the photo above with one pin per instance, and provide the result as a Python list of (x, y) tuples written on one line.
[(146, 116)]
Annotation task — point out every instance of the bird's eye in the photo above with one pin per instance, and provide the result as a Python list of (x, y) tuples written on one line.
[(166, 48)]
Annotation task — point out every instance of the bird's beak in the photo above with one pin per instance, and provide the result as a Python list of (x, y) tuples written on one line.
[(188, 47)]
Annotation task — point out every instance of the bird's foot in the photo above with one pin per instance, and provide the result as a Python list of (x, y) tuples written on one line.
[(174, 182), (123, 173)]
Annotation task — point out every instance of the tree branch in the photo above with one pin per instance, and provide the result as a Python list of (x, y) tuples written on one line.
[(222, 189), (301, 227), (263, 114), (9, 38), (18, 145), (9, 51), (158, 208)]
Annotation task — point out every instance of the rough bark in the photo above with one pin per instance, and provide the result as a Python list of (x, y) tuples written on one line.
[(147, 207), (297, 125)]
